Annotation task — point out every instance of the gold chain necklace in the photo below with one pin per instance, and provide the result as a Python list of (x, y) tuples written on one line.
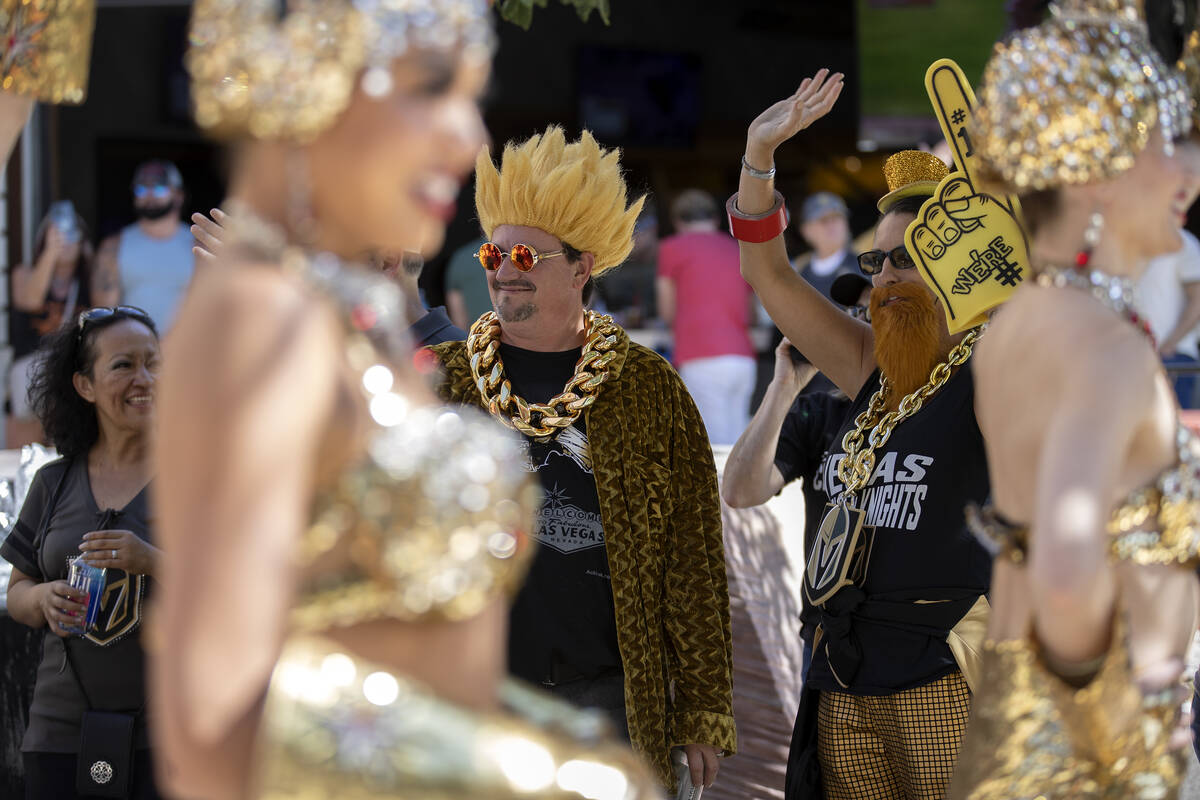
[(542, 421), (856, 468), (841, 549)]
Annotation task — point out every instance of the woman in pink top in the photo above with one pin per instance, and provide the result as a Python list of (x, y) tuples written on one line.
[(702, 295)]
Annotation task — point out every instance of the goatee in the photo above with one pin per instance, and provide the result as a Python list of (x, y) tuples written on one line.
[(152, 213), (908, 336)]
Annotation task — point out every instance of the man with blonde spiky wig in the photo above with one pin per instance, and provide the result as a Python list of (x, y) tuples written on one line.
[(626, 607)]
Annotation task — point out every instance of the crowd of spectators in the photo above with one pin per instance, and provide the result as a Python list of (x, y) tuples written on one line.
[(84, 327)]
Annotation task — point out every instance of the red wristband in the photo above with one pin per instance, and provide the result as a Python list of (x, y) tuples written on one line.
[(757, 228)]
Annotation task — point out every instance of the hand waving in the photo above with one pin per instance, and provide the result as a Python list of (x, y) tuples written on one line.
[(209, 233), (788, 117)]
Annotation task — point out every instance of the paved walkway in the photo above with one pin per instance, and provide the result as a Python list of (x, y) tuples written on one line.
[(1191, 786)]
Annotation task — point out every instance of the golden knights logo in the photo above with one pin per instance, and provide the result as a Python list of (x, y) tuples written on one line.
[(120, 607), (840, 552)]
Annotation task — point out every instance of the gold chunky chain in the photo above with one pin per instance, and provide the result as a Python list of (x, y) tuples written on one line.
[(541, 420), (856, 468)]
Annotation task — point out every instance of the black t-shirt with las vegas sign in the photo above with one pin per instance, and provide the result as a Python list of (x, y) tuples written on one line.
[(562, 624), (925, 568)]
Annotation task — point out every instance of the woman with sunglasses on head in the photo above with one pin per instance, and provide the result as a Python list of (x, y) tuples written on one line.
[(1096, 497), (894, 581), (93, 391), (333, 620)]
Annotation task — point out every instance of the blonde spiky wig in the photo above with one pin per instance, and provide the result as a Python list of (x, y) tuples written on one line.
[(574, 192)]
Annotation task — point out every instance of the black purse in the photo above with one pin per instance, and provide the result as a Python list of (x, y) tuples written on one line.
[(104, 766)]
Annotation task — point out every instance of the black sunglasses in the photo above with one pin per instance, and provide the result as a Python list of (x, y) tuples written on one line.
[(94, 315), (871, 262)]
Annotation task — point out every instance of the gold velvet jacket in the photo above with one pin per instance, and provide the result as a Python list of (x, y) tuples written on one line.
[(657, 486)]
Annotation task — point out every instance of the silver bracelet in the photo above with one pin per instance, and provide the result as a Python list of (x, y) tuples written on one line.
[(757, 173)]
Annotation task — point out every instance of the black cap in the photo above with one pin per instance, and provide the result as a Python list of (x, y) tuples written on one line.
[(847, 288)]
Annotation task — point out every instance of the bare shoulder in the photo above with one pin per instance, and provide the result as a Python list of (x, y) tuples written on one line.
[(1086, 347), (250, 326)]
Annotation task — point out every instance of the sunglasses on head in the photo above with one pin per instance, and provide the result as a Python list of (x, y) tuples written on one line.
[(94, 315), (871, 262), (159, 191), (524, 257)]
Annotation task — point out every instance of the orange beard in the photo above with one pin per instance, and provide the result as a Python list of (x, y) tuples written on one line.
[(908, 337)]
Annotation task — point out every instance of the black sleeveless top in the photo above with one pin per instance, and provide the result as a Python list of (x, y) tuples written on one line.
[(879, 637)]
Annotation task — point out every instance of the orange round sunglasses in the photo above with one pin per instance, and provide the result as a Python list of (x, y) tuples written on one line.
[(524, 257)]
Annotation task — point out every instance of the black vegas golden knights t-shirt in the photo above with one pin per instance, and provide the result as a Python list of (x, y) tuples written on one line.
[(108, 661), (925, 568), (562, 624)]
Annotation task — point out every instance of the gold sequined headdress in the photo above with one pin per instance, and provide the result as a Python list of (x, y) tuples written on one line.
[(910, 173), (1189, 65), (45, 46), (1074, 99), (573, 191), (256, 74)]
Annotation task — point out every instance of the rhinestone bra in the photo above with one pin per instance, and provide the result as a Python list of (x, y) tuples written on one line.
[(1157, 524), (336, 726)]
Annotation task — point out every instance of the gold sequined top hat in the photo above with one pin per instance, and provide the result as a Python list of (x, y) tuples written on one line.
[(45, 47), (911, 173), (1074, 100), (258, 75)]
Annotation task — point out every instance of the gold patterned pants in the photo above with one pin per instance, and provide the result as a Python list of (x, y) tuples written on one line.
[(894, 747)]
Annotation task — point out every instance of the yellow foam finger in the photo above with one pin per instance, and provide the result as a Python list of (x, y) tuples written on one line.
[(969, 248)]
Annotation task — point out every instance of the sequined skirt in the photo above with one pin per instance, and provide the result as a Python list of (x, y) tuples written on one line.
[(1033, 737), (335, 726)]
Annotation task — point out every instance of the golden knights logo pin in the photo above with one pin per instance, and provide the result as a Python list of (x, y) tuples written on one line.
[(840, 552)]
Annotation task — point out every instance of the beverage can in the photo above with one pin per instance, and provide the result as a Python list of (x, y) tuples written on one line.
[(86, 578)]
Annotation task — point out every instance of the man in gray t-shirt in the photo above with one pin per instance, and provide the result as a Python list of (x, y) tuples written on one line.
[(148, 264)]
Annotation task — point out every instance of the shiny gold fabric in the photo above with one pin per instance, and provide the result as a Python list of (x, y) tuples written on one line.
[(898, 746), (1033, 737), (338, 727), (1073, 100), (1189, 66), (46, 47), (1158, 524), (910, 173), (255, 75), (662, 524), (432, 525)]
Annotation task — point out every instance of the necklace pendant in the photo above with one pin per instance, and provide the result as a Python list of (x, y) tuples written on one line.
[(840, 552)]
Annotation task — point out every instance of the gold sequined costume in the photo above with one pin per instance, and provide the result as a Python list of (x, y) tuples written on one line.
[(45, 47), (1073, 101), (1032, 735), (430, 522)]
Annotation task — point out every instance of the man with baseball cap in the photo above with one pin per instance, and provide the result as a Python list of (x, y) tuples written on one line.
[(825, 226), (148, 264)]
